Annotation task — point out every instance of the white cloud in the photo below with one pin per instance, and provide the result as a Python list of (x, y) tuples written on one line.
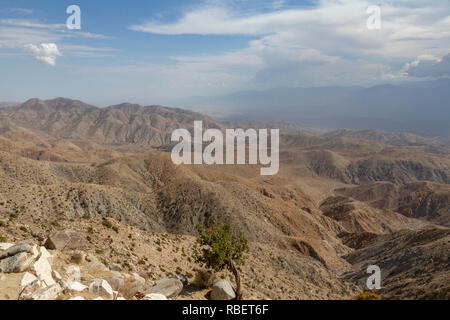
[(45, 53), (19, 10), (17, 33)]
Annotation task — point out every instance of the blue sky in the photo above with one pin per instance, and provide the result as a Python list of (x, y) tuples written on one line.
[(159, 52)]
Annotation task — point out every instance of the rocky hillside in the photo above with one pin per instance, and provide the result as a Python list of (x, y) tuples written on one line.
[(422, 200), (121, 124)]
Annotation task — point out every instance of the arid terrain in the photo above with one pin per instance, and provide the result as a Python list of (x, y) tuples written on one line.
[(342, 200)]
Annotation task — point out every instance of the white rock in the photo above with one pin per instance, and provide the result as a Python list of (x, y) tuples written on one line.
[(42, 268), (74, 273), (98, 298), (121, 298), (102, 288), (154, 296), (5, 246), (222, 290), (76, 286), (27, 279), (47, 293), (76, 298)]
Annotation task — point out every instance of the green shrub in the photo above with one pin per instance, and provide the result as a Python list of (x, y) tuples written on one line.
[(218, 248), (24, 229), (107, 224)]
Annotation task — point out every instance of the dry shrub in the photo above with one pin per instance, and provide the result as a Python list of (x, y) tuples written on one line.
[(204, 279)]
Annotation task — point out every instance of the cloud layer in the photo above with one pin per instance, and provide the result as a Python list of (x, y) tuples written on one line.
[(327, 44)]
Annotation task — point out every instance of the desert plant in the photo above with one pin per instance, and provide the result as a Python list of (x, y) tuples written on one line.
[(218, 248), (107, 223), (204, 279), (367, 295)]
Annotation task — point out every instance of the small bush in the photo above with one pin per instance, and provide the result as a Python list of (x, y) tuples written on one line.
[(141, 262), (2, 238), (367, 295), (107, 224), (204, 279), (24, 229), (86, 216), (56, 224)]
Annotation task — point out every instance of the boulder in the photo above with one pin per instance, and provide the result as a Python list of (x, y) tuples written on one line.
[(18, 262), (47, 293), (222, 290), (154, 296), (30, 288), (183, 278), (102, 288), (27, 279), (65, 240), (24, 246), (76, 286), (169, 287), (18, 258), (5, 246), (42, 268)]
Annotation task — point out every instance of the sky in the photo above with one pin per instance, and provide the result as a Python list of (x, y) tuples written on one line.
[(159, 52)]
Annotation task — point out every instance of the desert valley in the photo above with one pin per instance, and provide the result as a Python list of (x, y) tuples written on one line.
[(341, 201)]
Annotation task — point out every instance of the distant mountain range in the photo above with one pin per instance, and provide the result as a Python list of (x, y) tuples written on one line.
[(152, 125), (422, 108)]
